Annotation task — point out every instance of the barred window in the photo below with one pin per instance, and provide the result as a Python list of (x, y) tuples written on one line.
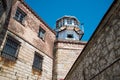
[(20, 15), (10, 49), (37, 63), (41, 33)]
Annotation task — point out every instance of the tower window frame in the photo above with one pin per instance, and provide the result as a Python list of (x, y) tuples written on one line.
[(69, 21), (20, 15), (38, 61), (41, 33), (11, 48)]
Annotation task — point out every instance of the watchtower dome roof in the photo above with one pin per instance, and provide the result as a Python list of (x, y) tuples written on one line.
[(68, 16), (67, 21)]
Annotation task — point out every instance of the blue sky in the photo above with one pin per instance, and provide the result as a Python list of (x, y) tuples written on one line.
[(89, 12)]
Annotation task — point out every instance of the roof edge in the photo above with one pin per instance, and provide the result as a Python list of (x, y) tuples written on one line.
[(68, 16), (26, 5)]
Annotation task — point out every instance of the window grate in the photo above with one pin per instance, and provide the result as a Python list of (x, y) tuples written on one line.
[(8, 56), (10, 49), (37, 64)]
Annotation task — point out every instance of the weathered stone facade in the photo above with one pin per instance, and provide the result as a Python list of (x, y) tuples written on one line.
[(27, 34), (100, 59), (22, 68), (5, 9), (65, 53), (29, 29)]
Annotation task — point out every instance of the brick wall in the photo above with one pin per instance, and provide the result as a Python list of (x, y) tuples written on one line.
[(100, 59)]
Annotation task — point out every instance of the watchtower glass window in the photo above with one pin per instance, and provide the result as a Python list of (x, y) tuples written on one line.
[(11, 47), (69, 21)]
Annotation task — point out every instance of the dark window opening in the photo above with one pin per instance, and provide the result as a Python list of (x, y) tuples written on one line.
[(41, 33), (10, 49), (3, 4), (69, 35), (2, 9), (20, 15), (57, 35), (37, 64)]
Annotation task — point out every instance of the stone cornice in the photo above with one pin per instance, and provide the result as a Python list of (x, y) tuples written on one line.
[(71, 42)]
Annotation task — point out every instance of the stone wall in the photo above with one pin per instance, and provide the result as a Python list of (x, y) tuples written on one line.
[(22, 69), (27, 35), (100, 59), (5, 10), (66, 52), (29, 29), (2, 14)]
